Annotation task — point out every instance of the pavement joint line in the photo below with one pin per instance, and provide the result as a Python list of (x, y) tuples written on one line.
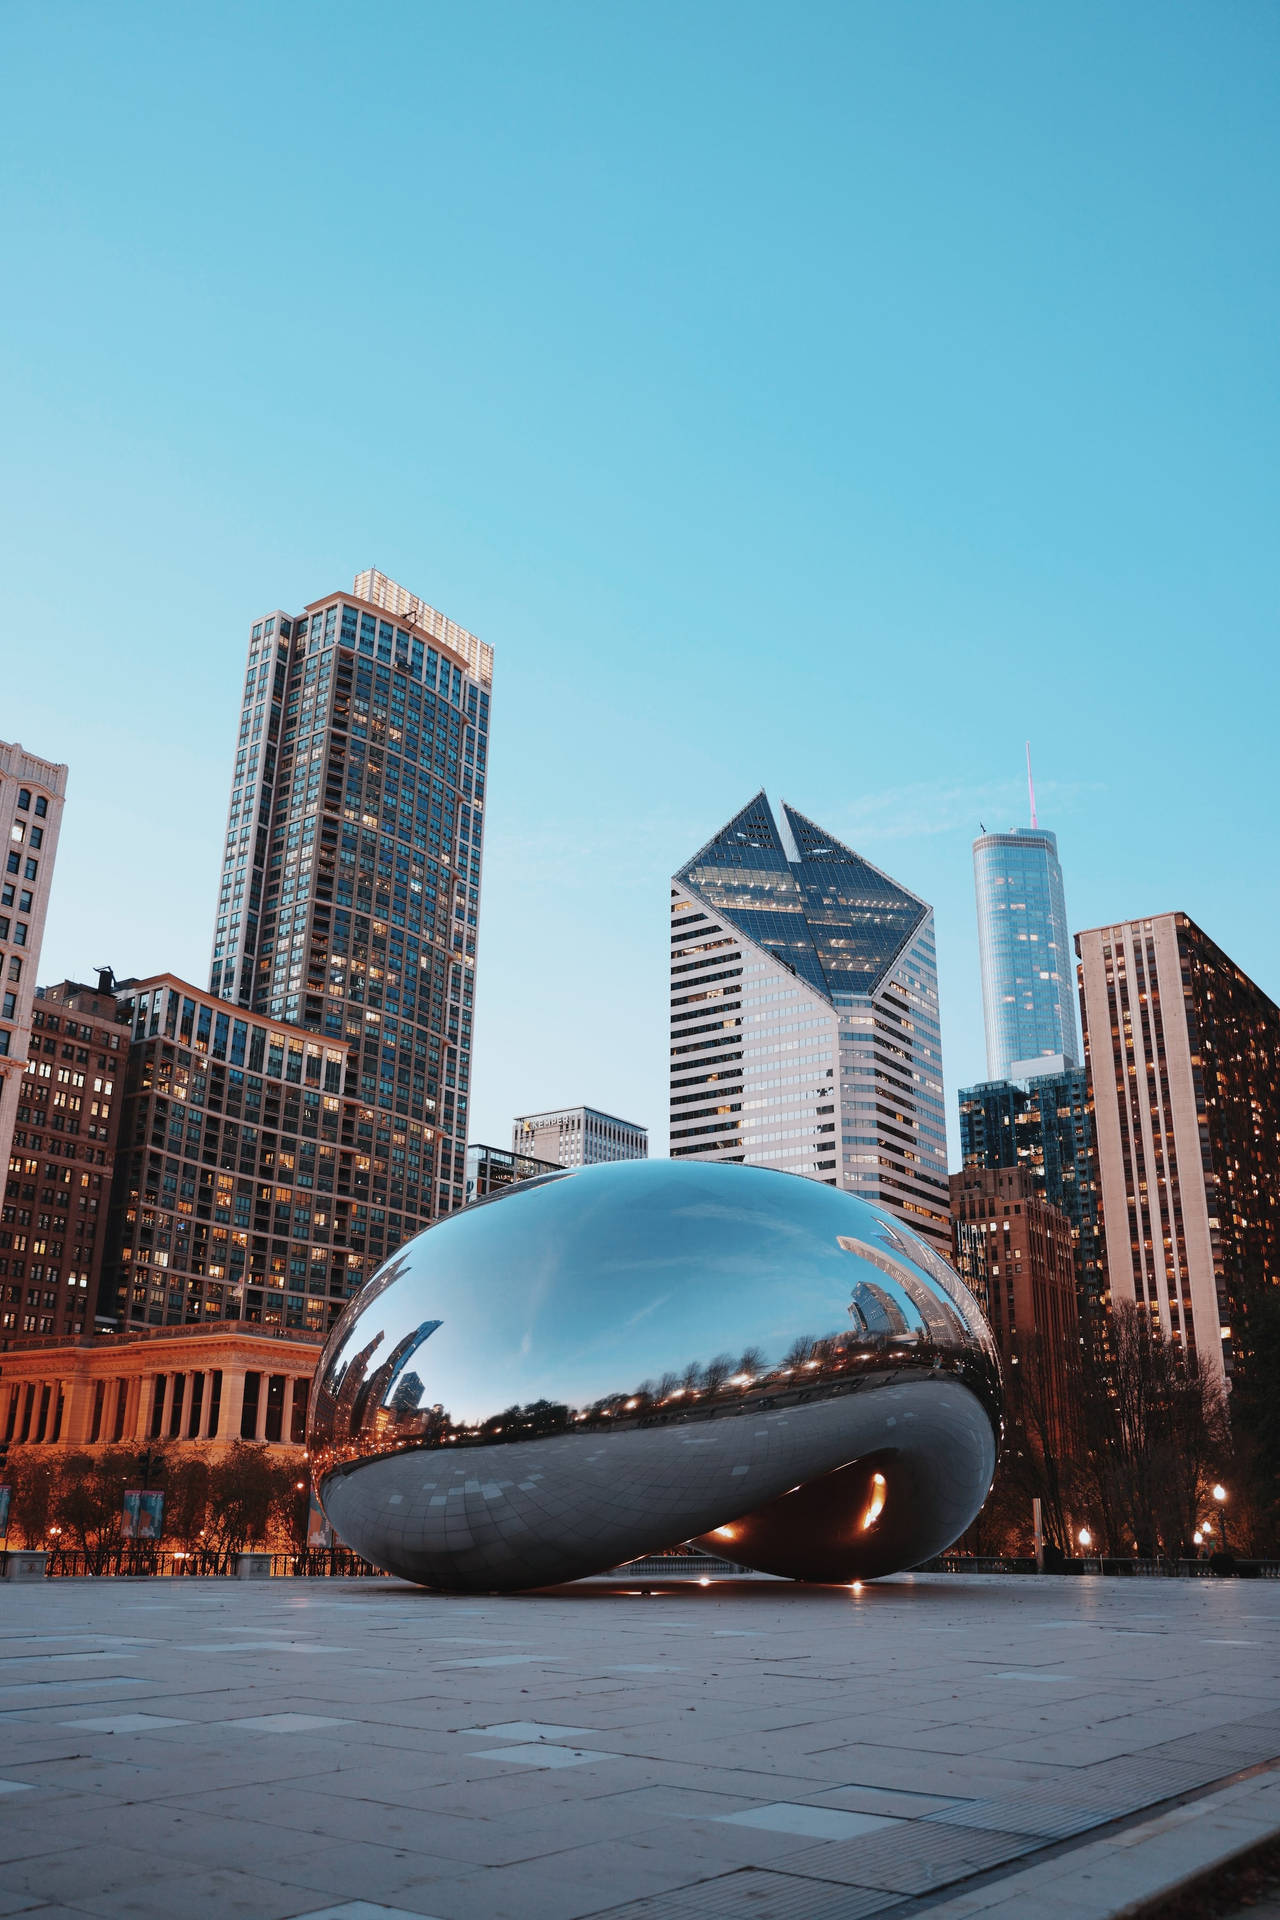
[(1076, 1842)]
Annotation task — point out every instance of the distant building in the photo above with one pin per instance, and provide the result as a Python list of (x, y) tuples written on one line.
[(243, 1183), (217, 1383), (1028, 986), (58, 1190), (490, 1169), (1016, 1255), (804, 1017), (350, 891), (31, 797), (578, 1137), (1044, 1125), (1184, 1058)]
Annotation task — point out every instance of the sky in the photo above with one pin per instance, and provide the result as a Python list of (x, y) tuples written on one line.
[(825, 397)]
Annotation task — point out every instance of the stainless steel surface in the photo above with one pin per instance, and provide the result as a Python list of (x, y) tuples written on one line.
[(597, 1364)]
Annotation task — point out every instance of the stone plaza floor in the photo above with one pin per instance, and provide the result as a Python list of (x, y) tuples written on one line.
[(950, 1744)]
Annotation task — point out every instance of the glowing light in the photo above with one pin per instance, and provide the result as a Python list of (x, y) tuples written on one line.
[(876, 1507), (856, 1587), (1219, 1493), (704, 1582), (1085, 1537), (725, 1533), (1197, 1537)]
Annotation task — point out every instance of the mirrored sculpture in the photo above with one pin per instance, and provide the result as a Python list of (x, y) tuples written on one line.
[(598, 1364)]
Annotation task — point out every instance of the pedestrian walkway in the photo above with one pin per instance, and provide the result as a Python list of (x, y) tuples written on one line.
[(641, 1752)]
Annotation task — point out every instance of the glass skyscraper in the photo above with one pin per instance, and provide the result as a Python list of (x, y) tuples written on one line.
[(351, 884), (1044, 1126), (1028, 999), (804, 1017)]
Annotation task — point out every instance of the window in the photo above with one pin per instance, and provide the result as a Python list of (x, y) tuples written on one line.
[(37, 836), (24, 799), (42, 805)]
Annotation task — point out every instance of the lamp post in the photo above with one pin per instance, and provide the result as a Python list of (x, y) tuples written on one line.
[(1220, 1495)]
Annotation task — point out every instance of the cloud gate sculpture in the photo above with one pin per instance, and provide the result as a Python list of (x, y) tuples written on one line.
[(598, 1364)]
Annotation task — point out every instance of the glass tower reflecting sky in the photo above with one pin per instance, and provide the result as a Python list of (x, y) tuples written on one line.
[(1028, 999), (351, 886), (804, 1017)]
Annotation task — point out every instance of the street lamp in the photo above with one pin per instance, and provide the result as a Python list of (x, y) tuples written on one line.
[(1220, 1495), (1085, 1538)]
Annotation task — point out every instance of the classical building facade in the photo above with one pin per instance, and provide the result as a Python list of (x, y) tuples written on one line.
[(1028, 986), (53, 1218), (804, 1017), (578, 1137), (246, 1187), (213, 1384), (31, 798), (350, 891), (1184, 1057)]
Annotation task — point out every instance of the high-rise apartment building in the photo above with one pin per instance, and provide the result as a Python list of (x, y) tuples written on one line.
[(351, 875), (1184, 1058), (804, 1017), (1044, 1126), (1016, 1255), (1028, 1001), (31, 796), (578, 1137), (246, 1186), (58, 1190)]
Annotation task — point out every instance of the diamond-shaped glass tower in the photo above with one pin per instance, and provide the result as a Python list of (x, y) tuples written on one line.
[(804, 1016)]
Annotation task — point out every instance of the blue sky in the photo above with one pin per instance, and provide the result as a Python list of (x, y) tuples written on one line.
[(824, 397)]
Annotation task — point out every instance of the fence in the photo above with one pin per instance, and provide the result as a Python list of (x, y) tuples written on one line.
[(1220, 1566)]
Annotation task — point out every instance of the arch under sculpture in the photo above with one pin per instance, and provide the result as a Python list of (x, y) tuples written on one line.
[(598, 1364)]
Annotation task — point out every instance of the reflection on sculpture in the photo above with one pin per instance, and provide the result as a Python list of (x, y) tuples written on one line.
[(599, 1364)]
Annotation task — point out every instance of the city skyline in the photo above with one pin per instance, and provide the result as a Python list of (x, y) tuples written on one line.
[(978, 476)]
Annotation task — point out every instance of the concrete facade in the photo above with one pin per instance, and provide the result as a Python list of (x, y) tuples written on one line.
[(31, 798), (1184, 1057), (578, 1137)]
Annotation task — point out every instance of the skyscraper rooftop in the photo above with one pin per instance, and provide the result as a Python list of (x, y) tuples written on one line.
[(824, 911)]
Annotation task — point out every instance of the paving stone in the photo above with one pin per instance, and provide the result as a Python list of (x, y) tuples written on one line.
[(712, 1751)]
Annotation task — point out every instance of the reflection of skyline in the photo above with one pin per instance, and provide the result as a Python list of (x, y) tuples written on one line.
[(534, 1321)]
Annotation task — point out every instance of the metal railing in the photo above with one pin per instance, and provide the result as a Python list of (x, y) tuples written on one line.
[(138, 1561), (1225, 1566)]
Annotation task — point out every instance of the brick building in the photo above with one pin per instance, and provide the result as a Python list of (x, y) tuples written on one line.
[(1016, 1255), (53, 1217)]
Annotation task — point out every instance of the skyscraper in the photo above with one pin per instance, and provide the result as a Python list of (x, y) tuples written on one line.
[(242, 1189), (351, 877), (1028, 1002), (804, 1017), (1044, 1125), (31, 795), (1184, 1059), (578, 1137), (53, 1240)]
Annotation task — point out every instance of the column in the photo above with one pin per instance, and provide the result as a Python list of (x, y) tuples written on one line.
[(286, 1411), (232, 1403)]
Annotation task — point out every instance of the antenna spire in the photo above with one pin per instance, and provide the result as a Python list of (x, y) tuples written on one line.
[(1031, 787)]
